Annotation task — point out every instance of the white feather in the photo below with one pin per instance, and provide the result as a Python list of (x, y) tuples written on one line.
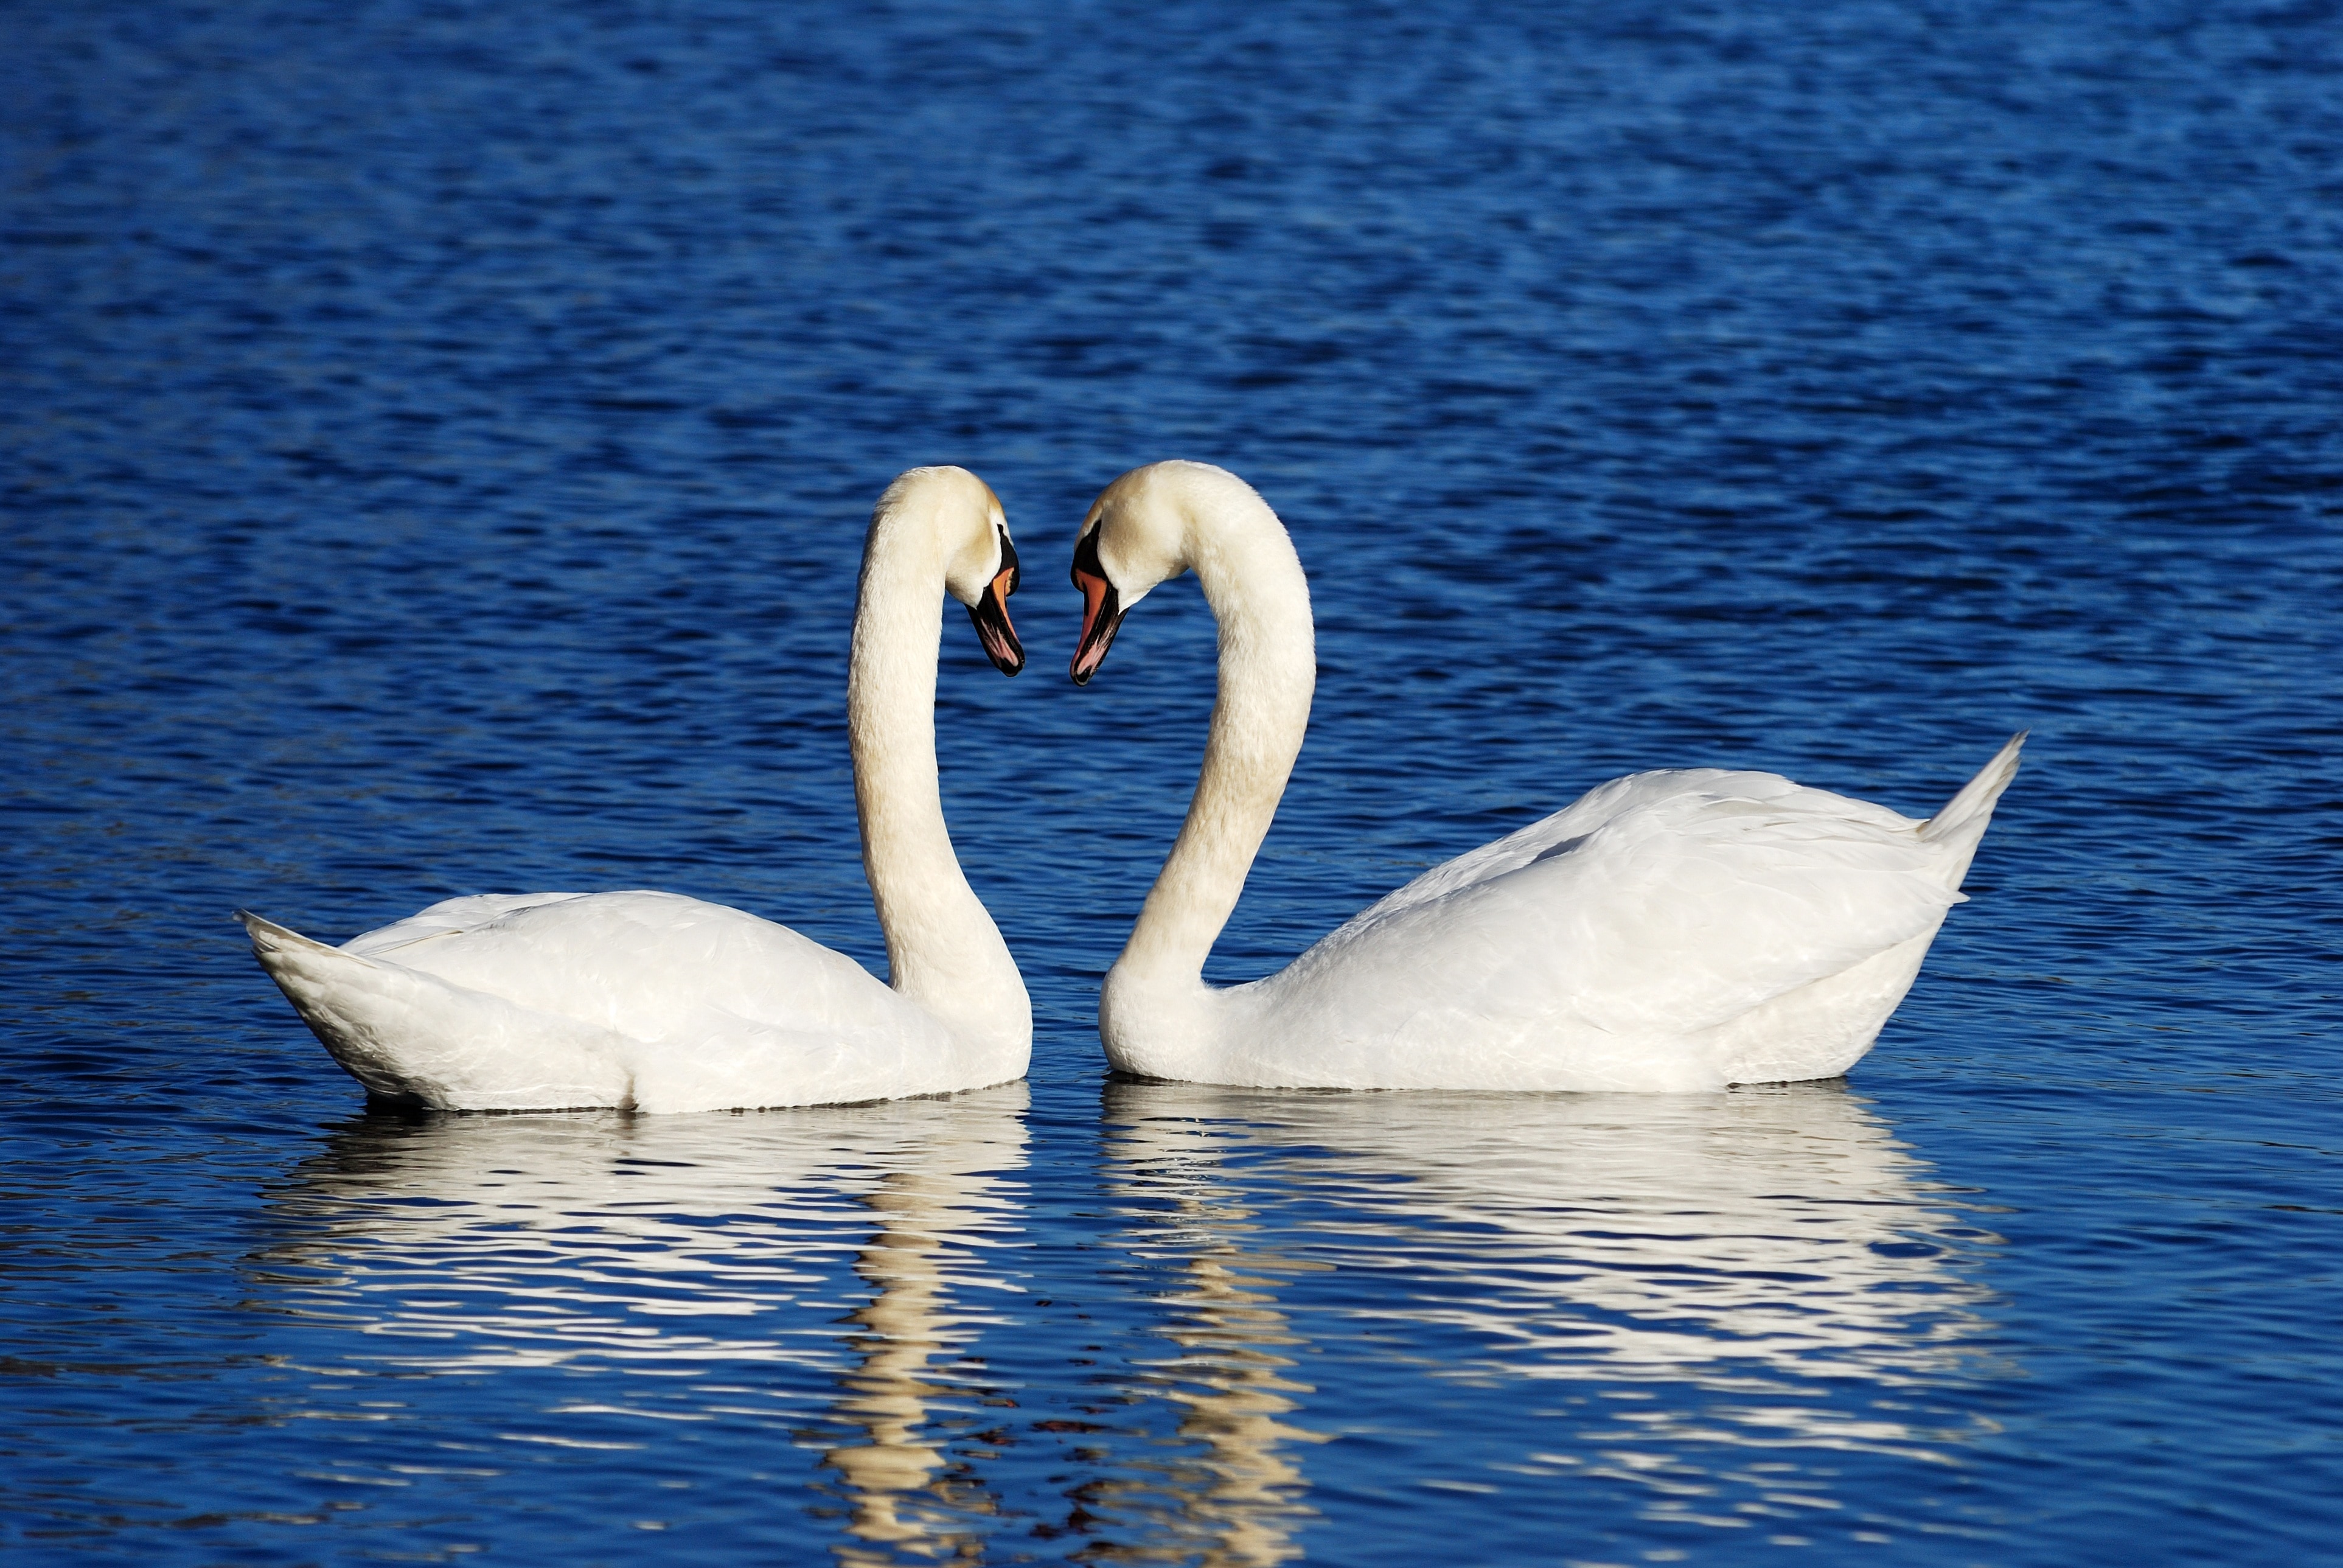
[(653, 1001), (1670, 931)]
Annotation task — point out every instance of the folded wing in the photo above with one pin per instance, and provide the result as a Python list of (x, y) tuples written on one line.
[(1661, 904)]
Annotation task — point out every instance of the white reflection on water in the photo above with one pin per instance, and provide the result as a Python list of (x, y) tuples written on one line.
[(470, 1244), (909, 1264), (1238, 1504), (1675, 1293), (1747, 1247)]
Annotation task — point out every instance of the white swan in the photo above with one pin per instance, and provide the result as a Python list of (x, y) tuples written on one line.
[(653, 1001), (1673, 931)]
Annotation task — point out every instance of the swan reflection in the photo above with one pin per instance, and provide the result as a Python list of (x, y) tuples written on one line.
[(1758, 1244), (456, 1245), (1239, 1503), (909, 1319)]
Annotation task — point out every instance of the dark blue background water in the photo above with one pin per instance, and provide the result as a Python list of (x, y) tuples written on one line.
[(438, 440)]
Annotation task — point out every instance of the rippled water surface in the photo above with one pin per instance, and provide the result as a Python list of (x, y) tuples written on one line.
[(436, 441)]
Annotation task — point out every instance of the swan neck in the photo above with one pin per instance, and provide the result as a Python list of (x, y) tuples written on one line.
[(943, 951), (1268, 669)]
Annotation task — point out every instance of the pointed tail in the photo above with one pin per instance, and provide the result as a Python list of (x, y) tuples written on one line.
[(1962, 823), (416, 1038)]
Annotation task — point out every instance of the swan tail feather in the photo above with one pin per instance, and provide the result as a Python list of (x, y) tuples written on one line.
[(416, 1040), (1961, 825), (268, 936)]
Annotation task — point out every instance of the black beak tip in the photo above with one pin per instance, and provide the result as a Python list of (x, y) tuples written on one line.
[(1002, 647), (997, 638)]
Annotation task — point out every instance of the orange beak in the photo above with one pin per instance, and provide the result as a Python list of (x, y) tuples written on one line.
[(989, 614), (1102, 613)]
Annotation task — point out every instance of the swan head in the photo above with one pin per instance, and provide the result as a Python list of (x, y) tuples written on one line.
[(1141, 531), (979, 562)]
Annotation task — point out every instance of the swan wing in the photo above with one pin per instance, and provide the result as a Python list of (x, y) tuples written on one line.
[(1561, 832), (415, 1037), (447, 918), (648, 965), (726, 1010), (1658, 905), (644, 1000)]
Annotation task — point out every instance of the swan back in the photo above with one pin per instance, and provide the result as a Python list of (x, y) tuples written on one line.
[(1659, 906), (1667, 931)]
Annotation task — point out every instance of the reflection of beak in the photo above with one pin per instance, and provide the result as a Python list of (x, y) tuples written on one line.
[(1100, 612), (990, 614)]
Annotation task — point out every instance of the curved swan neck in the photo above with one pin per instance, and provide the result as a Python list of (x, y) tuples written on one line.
[(943, 951), (1268, 669)]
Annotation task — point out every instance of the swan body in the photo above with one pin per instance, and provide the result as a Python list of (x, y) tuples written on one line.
[(652, 1001), (1671, 930)]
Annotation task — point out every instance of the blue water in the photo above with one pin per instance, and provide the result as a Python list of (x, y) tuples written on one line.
[(436, 443)]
